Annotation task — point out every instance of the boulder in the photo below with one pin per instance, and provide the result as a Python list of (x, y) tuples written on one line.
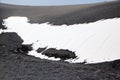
[(24, 49), (10, 41), (62, 53), (1, 25)]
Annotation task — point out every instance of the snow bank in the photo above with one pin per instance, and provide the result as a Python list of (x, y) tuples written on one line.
[(95, 42)]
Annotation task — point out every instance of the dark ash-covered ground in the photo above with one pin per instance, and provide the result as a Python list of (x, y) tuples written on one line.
[(16, 65), (58, 15), (19, 66)]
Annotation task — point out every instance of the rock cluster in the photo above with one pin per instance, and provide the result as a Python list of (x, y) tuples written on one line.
[(62, 53)]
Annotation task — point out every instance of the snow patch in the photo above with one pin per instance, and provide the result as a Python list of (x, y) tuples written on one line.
[(94, 42)]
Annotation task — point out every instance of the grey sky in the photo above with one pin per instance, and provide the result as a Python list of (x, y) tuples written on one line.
[(50, 2)]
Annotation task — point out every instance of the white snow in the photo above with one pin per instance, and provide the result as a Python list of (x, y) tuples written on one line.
[(95, 42)]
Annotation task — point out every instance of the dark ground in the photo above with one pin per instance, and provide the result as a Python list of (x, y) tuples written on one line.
[(58, 15), (19, 66)]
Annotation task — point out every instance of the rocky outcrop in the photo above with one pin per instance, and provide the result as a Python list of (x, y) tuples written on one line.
[(24, 49), (62, 53), (13, 43), (10, 41)]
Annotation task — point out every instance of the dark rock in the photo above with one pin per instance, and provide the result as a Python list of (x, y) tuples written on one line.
[(10, 41), (24, 49), (39, 50), (62, 54), (1, 25)]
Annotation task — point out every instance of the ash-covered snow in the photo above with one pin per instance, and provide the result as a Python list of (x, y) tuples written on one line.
[(94, 42)]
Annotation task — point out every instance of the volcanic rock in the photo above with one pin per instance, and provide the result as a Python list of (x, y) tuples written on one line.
[(24, 49), (2, 26), (10, 41), (62, 54)]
